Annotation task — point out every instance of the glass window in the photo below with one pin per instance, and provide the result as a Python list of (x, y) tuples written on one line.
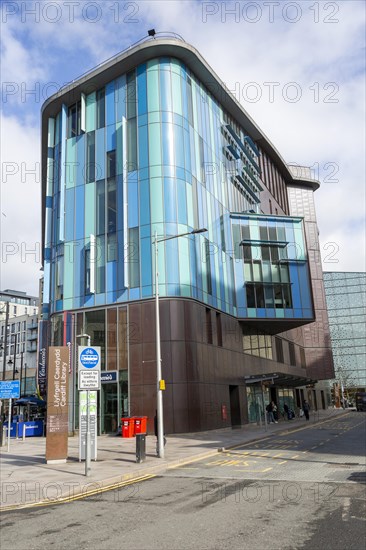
[(291, 347), (257, 271), (265, 253), (279, 350), (132, 144), (90, 157), (100, 190), (263, 233), (112, 247), (250, 295), (73, 125), (111, 205), (208, 266), (111, 164), (259, 291), (219, 329), (278, 296), (269, 298), (247, 252), (101, 108), (287, 296), (209, 326)]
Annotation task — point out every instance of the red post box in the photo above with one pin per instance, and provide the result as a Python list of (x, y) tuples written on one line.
[(140, 424), (128, 427)]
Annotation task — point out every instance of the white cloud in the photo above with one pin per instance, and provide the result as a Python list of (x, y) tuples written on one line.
[(20, 222)]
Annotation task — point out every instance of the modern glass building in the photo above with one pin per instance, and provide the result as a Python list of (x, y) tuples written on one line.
[(152, 141), (346, 302)]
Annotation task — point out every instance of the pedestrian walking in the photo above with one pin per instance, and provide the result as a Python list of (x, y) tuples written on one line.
[(270, 413), (306, 409)]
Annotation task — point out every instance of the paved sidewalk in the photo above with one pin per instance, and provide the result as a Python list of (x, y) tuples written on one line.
[(26, 480)]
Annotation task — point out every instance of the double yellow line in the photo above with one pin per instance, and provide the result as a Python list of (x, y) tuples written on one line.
[(70, 498)]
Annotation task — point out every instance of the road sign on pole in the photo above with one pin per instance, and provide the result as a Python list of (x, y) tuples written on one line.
[(88, 380), (89, 368), (10, 389)]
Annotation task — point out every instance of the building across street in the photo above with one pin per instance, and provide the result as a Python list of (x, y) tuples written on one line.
[(346, 303)]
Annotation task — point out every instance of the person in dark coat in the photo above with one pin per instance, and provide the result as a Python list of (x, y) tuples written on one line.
[(306, 409)]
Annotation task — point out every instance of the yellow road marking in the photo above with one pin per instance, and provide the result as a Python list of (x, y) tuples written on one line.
[(69, 498), (295, 456), (283, 462)]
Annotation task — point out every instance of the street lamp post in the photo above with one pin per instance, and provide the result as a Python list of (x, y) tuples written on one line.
[(21, 372), (12, 362), (5, 338), (160, 383), (87, 439), (25, 379)]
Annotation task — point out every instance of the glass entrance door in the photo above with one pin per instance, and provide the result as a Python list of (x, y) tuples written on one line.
[(109, 408)]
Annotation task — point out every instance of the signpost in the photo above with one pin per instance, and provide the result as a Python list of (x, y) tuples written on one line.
[(57, 404), (92, 424), (9, 390), (88, 380)]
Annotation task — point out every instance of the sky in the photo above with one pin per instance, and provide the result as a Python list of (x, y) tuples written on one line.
[(296, 67)]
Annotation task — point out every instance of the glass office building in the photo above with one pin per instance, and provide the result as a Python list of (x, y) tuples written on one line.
[(346, 302), (152, 142)]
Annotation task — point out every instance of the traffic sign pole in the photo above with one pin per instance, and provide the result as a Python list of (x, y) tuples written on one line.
[(9, 424), (89, 359), (88, 446)]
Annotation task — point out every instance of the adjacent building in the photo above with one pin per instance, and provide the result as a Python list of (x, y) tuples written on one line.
[(346, 301), (152, 142), (19, 338)]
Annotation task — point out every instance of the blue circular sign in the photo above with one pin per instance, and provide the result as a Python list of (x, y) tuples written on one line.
[(89, 358)]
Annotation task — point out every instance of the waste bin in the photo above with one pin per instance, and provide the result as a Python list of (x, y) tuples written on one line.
[(140, 424), (140, 448), (128, 427)]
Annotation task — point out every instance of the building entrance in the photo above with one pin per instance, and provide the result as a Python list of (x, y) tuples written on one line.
[(113, 401), (109, 408)]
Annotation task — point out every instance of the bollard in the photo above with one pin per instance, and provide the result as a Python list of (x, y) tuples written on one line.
[(140, 448)]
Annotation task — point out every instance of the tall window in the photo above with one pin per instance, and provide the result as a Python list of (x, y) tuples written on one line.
[(219, 329), (291, 347), (209, 326), (208, 266), (73, 120), (100, 108), (279, 350), (90, 157)]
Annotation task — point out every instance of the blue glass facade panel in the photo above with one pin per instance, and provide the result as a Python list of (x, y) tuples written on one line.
[(69, 214), (110, 104), (80, 212)]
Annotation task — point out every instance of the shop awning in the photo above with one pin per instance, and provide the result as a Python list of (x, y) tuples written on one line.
[(279, 379)]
